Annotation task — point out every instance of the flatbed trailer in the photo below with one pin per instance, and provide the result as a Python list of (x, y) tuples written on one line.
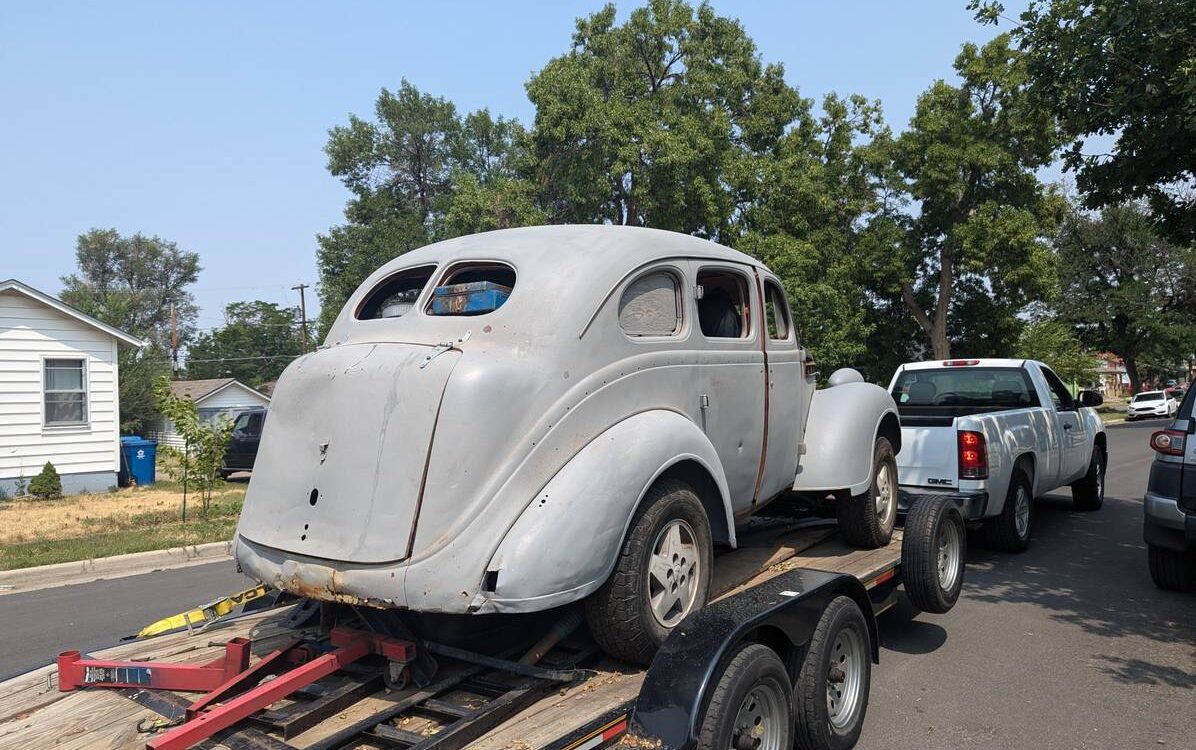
[(774, 589)]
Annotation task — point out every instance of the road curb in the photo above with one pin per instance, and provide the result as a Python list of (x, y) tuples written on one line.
[(117, 566)]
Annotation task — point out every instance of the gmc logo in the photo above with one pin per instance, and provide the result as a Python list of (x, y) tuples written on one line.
[(932, 480)]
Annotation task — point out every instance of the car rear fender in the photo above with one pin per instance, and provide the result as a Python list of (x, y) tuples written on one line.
[(840, 437)]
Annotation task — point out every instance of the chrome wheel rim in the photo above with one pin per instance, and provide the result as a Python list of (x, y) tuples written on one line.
[(886, 491), (949, 557), (1021, 512), (758, 725), (673, 573), (844, 678)]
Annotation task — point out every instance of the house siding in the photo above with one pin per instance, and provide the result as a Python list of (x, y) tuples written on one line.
[(29, 332)]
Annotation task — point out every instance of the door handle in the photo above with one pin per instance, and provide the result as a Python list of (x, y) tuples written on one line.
[(1068, 426)]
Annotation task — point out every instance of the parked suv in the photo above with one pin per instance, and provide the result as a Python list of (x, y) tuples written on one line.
[(242, 446), (1170, 502)]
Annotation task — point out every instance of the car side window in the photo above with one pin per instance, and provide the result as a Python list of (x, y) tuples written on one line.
[(651, 305), (1060, 396), (724, 310), (255, 424), (776, 312), (241, 424)]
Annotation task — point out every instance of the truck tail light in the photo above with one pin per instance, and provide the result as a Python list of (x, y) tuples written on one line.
[(1170, 442), (961, 362), (973, 455)]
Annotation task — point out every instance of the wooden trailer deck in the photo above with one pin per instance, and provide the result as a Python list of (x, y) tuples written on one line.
[(34, 714)]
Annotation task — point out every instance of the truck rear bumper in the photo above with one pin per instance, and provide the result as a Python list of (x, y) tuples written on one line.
[(1166, 524), (973, 505)]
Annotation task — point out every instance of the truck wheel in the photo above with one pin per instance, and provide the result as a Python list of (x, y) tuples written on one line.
[(1089, 492), (1010, 531), (831, 693), (662, 575), (1172, 570), (867, 520), (752, 704), (933, 550)]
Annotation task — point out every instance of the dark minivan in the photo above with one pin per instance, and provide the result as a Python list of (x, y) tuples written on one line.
[(242, 448)]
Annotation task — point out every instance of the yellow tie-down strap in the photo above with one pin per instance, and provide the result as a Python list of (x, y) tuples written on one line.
[(205, 613)]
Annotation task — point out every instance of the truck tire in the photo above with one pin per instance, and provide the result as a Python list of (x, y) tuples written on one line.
[(831, 694), (1010, 531), (752, 704), (1088, 493), (662, 574), (1172, 570), (867, 520), (933, 551)]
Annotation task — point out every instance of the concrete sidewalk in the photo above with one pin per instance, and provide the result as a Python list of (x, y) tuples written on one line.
[(117, 566)]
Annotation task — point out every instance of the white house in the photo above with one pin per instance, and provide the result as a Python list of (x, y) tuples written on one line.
[(213, 397), (59, 392)]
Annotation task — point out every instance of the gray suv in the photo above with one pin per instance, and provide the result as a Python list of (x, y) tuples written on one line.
[(1170, 502)]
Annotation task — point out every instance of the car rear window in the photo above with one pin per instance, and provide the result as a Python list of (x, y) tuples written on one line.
[(395, 295), (472, 289), (954, 392)]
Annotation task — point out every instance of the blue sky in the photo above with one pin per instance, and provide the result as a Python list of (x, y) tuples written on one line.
[(205, 122)]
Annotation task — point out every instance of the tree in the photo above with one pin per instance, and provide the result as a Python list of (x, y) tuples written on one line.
[(1127, 290), (1123, 70), (256, 342), (1056, 344), (982, 217), (204, 442), (650, 123), (132, 283)]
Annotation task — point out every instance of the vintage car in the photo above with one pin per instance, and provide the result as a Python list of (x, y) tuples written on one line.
[(516, 420)]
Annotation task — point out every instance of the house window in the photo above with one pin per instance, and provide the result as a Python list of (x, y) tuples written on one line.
[(651, 306), (65, 392)]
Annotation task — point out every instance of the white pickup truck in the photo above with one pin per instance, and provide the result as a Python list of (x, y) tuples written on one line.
[(994, 434)]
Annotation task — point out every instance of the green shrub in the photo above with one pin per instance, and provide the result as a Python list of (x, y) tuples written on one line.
[(46, 485)]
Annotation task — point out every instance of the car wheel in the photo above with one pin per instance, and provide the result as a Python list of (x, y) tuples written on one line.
[(1089, 492), (1010, 531), (752, 704), (1172, 570), (867, 520), (662, 574), (933, 551), (831, 694)]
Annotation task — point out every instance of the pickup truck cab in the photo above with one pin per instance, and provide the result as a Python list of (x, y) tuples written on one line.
[(994, 434), (513, 421)]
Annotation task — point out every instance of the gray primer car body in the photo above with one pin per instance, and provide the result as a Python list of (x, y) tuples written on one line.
[(492, 463)]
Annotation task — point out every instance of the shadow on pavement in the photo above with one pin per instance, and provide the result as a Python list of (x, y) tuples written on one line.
[(900, 632)]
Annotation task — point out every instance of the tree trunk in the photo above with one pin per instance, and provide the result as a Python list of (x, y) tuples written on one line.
[(1131, 369), (936, 329)]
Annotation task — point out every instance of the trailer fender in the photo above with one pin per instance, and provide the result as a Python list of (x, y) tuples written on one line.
[(566, 542), (671, 705), (840, 436)]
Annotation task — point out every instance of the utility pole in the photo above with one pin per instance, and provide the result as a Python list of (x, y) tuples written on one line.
[(302, 313), (174, 342)]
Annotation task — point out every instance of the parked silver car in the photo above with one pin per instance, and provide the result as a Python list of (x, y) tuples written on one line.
[(516, 420)]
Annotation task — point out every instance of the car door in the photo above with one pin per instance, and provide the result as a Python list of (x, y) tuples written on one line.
[(788, 394), (1073, 431), (730, 372)]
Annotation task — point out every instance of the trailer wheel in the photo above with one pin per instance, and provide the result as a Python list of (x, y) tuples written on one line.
[(831, 693), (867, 520), (933, 551), (1089, 492), (1010, 531), (662, 575), (752, 704)]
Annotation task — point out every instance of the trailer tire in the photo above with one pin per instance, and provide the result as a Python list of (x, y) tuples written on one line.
[(832, 718), (620, 613), (933, 551), (1088, 493), (1010, 530), (1171, 570), (752, 703), (867, 520)]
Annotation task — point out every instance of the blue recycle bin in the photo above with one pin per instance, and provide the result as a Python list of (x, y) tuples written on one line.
[(137, 457)]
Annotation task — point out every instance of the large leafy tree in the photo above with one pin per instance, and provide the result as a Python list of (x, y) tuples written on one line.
[(1127, 289), (133, 283), (651, 122), (1121, 70), (973, 250), (257, 341), (1055, 343)]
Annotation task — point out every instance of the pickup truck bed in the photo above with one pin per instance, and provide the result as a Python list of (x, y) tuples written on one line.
[(34, 714)]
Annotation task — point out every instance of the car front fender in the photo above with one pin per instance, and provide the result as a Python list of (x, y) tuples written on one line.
[(566, 543), (841, 435)]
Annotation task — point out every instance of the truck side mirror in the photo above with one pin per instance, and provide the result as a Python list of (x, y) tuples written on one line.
[(1091, 398)]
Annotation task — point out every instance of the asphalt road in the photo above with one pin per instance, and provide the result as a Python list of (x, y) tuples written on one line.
[(1069, 645)]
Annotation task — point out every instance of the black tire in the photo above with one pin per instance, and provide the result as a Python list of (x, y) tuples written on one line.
[(1172, 570), (862, 523), (933, 551), (1088, 493), (815, 730), (754, 679), (1001, 533), (620, 612)]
